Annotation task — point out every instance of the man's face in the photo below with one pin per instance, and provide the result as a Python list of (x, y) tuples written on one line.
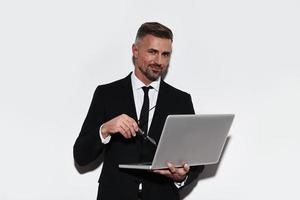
[(152, 56)]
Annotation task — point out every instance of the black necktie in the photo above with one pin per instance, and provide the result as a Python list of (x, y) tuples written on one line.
[(144, 116)]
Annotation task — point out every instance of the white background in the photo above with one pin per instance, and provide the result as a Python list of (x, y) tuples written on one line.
[(233, 56)]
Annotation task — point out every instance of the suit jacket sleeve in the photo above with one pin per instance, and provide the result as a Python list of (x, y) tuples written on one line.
[(88, 145), (195, 170)]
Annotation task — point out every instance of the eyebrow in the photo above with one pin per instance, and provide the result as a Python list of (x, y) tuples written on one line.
[(155, 50)]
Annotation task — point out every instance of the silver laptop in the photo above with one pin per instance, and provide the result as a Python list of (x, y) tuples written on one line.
[(191, 139)]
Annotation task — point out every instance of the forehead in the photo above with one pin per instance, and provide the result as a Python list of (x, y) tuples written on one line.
[(152, 42)]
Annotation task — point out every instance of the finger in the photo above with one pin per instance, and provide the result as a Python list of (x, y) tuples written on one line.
[(124, 130), (132, 123), (172, 168), (186, 168), (129, 124), (181, 172), (125, 124), (135, 126)]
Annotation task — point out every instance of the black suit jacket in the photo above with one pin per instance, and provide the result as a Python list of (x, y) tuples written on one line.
[(108, 102)]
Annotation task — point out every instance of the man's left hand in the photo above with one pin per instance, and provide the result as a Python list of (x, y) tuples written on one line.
[(177, 174)]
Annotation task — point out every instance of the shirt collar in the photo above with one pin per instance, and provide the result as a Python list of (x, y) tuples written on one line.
[(138, 84)]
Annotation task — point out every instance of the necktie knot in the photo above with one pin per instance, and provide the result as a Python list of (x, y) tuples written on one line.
[(146, 89)]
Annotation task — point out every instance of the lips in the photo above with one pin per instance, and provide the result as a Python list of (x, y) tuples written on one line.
[(156, 71), (155, 68)]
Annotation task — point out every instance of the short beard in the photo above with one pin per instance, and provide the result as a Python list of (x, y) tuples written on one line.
[(148, 74)]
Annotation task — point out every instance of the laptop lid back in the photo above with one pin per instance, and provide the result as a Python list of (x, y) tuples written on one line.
[(192, 139)]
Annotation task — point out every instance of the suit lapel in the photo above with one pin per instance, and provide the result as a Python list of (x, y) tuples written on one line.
[(128, 99), (160, 111)]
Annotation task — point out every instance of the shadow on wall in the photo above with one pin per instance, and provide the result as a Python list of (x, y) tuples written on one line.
[(209, 172)]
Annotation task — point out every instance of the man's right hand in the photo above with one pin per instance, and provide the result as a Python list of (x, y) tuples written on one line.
[(123, 124)]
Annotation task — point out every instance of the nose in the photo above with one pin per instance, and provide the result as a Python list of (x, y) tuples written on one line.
[(158, 59)]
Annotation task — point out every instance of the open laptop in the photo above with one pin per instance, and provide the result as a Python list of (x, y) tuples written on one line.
[(191, 139)]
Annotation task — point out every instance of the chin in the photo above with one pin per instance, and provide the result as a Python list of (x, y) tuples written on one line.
[(153, 78)]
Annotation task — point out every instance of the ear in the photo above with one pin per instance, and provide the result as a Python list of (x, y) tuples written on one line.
[(134, 49)]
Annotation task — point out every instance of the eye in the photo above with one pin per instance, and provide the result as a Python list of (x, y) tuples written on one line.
[(151, 51), (166, 54)]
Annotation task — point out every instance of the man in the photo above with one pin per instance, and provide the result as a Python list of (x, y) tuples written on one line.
[(121, 110)]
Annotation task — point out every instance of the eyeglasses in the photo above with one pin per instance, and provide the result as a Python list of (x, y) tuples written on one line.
[(142, 133), (146, 136)]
